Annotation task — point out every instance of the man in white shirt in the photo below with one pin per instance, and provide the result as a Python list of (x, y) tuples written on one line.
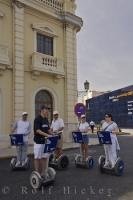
[(56, 127), (22, 126)]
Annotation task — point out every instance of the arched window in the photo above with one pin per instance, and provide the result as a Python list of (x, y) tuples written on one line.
[(43, 97)]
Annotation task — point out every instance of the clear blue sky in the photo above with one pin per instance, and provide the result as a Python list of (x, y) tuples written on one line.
[(105, 43)]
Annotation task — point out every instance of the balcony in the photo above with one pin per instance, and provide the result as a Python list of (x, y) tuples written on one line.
[(47, 64), (56, 4)]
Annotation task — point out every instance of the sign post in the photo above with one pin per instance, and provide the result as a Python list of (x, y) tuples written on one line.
[(79, 109)]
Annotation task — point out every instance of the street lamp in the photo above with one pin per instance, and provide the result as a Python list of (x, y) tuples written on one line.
[(86, 85)]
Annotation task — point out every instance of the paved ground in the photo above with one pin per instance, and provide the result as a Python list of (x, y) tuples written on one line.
[(74, 183)]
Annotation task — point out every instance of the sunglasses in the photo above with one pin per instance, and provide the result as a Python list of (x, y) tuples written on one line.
[(106, 116)]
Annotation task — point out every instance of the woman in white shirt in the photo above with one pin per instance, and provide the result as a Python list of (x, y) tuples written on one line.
[(110, 149), (83, 127)]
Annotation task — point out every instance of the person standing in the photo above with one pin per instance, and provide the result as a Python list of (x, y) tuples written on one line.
[(41, 131), (110, 149), (22, 126), (56, 127), (92, 125), (83, 127)]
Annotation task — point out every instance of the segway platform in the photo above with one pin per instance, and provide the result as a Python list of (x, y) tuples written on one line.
[(58, 163), (36, 180), (17, 140), (78, 137), (118, 169)]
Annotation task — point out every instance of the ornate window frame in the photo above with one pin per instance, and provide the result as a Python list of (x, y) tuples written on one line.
[(56, 100), (47, 30)]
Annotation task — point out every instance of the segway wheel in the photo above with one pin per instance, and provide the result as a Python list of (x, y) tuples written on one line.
[(119, 167), (27, 164), (13, 163), (90, 162), (51, 173), (63, 162), (51, 158), (101, 163), (35, 180), (78, 159)]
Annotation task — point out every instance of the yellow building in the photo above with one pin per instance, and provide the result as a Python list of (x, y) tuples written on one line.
[(38, 59)]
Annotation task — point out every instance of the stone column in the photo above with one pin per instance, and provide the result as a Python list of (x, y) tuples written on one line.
[(71, 79), (69, 6), (71, 73), (18, 59)]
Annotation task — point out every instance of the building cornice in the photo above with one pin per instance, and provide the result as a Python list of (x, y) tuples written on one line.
[(39, 6), (69, 18), (65, 17)]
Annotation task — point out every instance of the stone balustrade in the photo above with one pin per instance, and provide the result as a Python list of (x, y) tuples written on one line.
[(56, 4), (46, 63)]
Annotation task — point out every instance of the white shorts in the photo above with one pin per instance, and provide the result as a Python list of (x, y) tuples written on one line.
[(38, 151)]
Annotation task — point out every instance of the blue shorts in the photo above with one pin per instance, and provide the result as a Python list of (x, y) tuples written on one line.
[(85, 139)]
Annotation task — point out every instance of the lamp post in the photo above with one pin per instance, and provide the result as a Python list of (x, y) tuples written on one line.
[(86, 86)]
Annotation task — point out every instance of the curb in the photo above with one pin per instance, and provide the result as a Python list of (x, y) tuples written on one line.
[(123, 133)]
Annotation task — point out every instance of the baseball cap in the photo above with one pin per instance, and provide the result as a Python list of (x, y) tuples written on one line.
[(24, 113), (83, 116), (55, 112)]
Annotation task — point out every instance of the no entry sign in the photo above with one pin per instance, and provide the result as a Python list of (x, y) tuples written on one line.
[(79, 109)]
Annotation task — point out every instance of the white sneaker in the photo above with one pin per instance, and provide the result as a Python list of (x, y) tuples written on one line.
[(23, 163), (17, 164), (106, 165)]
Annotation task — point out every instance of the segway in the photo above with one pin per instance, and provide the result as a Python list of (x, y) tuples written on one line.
[(61, 162), (79, 162), (17, 140), (118, 169), (36, 180)]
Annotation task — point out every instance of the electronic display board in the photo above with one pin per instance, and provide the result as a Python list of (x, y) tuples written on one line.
[(119, 103)]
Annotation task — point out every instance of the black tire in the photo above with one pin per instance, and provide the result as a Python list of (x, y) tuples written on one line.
[(78, 159), (90, 162), (119, 167), (51, 158), (51, 173), (27, 164), (101, 163), (13, 163), (63, 162)]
